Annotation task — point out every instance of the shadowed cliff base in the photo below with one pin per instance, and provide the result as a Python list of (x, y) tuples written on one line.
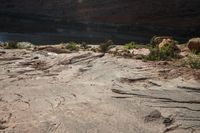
[(41, 30), (119, 20)]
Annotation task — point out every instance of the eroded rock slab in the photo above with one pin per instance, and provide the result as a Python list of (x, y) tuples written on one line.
[(82, 92)]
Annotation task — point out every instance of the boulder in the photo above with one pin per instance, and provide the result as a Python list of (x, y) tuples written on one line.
[(155, 41), (194, 44), (168, 43)]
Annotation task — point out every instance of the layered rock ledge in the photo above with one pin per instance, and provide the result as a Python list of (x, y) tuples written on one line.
[(41, 91)]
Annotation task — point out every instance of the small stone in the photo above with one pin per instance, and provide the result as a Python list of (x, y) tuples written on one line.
[(36, 57), (168, 121), (83, 69), (153, 116)]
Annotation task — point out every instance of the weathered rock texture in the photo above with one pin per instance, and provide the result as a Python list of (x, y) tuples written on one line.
[(84, 92), (194, 44)]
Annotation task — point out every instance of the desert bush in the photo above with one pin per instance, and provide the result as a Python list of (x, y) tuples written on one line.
[(152, 41), (165, 53), (193, 61), (104, 47), (72, 46), (148, 46), (130, 45), (10, 45), (16, 45), (195, 52)]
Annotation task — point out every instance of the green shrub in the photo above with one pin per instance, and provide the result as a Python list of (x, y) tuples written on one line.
[(148, 46), (152, 41), (104, 47), (165, 53), (193, 61), (16, 45), (10, 45), (130, 45), (195, 52), (154, 52), (72, 46)]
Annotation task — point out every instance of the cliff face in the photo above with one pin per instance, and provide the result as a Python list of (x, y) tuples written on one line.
[(173, 15)]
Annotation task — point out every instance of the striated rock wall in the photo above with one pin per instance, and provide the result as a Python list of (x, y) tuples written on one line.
[(176, 16), (183, 12)]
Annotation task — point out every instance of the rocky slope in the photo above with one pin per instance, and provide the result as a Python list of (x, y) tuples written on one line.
[(86, 92)]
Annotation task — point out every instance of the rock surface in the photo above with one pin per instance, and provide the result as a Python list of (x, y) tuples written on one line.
[(155, 41), (168, 43), (92, 92), (194, 44)]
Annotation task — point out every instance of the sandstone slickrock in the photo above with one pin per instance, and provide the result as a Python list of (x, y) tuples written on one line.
[(81, 92)]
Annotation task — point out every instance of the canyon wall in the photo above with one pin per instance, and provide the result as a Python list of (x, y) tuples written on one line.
[(172, 16)]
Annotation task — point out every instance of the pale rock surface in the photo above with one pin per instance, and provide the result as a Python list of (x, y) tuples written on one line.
[(84, 92)]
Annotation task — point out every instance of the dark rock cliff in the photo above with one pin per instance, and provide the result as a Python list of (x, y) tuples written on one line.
[(174, 17)]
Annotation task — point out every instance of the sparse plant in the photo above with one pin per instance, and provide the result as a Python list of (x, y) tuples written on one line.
[(165, 53), (104, 47), (24, 45), (84, 45), (10, 45), (130, 45), (16, 45), (193, 61), (195, 52), (154, 52), (72, 46), (152, 41), (148, 46)]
